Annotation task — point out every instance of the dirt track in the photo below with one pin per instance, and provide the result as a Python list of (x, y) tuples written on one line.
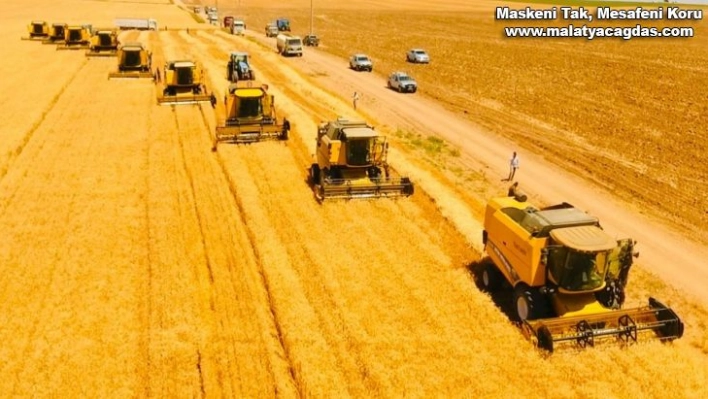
[(136, 262)]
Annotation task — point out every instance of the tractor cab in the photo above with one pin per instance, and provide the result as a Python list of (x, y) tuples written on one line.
[(238, 67)]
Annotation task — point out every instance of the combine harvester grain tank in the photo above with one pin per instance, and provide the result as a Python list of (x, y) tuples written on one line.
[(568, 276), (250, 116)]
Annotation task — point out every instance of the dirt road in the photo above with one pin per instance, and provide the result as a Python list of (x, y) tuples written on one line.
[(135, 262), (662, 249)]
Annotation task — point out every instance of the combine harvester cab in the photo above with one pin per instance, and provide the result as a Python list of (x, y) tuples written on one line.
[(104, 43), (250, 116), (57, 33), (352, 163), (239, 68), (38, 30), (76, 37), (134, 62), (569, 276), (183, 83)]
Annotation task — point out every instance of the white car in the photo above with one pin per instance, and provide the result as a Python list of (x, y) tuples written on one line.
[(360, 62), (418, 56), (402, 82)]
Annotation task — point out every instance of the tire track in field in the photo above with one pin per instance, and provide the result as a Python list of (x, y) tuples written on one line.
[(27, 137), (368, 375), (204, 175), (262, 172), (573, 365), (54, 248), (307, 106)]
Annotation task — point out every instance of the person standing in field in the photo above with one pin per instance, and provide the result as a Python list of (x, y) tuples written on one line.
[(355, 98), (513, 165)]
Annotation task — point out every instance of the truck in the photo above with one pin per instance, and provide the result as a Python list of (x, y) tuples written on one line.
[(136, 23), (271, 30), (238, 27), (288, 44)]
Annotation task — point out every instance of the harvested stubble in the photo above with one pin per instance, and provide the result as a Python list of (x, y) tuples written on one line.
[(134, 262)]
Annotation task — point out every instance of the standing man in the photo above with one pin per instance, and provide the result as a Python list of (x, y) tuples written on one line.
[(513, 165), (355, 98)]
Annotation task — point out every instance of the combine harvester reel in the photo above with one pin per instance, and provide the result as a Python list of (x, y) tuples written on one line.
[(183, 83), (134, 62), (568, 275), (250, 116), (624, 326), (351, 162), (38, 31)]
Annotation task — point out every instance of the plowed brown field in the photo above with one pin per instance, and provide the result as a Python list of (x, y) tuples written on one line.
[(134, 262)]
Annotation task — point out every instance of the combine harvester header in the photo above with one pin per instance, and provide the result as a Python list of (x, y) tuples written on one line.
[(568, 275)]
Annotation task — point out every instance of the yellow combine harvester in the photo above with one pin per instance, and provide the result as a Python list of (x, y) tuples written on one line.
[(250, 116), (183, 84), (57, 33), (38, 30), (134, 61), (352, 163), (104, 43), (568, 275), (76, 37)]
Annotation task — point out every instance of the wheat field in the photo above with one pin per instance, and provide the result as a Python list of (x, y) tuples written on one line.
[(135, 262)]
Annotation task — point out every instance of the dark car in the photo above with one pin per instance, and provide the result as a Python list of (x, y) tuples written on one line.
[(311, 40)]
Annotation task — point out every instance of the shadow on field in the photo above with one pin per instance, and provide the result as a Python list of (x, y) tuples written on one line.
[(503, 297)]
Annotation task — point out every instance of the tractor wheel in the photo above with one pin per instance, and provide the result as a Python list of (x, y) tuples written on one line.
[(530, 303), (490, 277)]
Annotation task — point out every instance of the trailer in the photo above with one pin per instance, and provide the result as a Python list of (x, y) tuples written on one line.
[(136, 23)]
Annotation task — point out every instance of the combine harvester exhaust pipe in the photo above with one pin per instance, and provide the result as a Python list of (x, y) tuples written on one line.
[(624, 325)]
